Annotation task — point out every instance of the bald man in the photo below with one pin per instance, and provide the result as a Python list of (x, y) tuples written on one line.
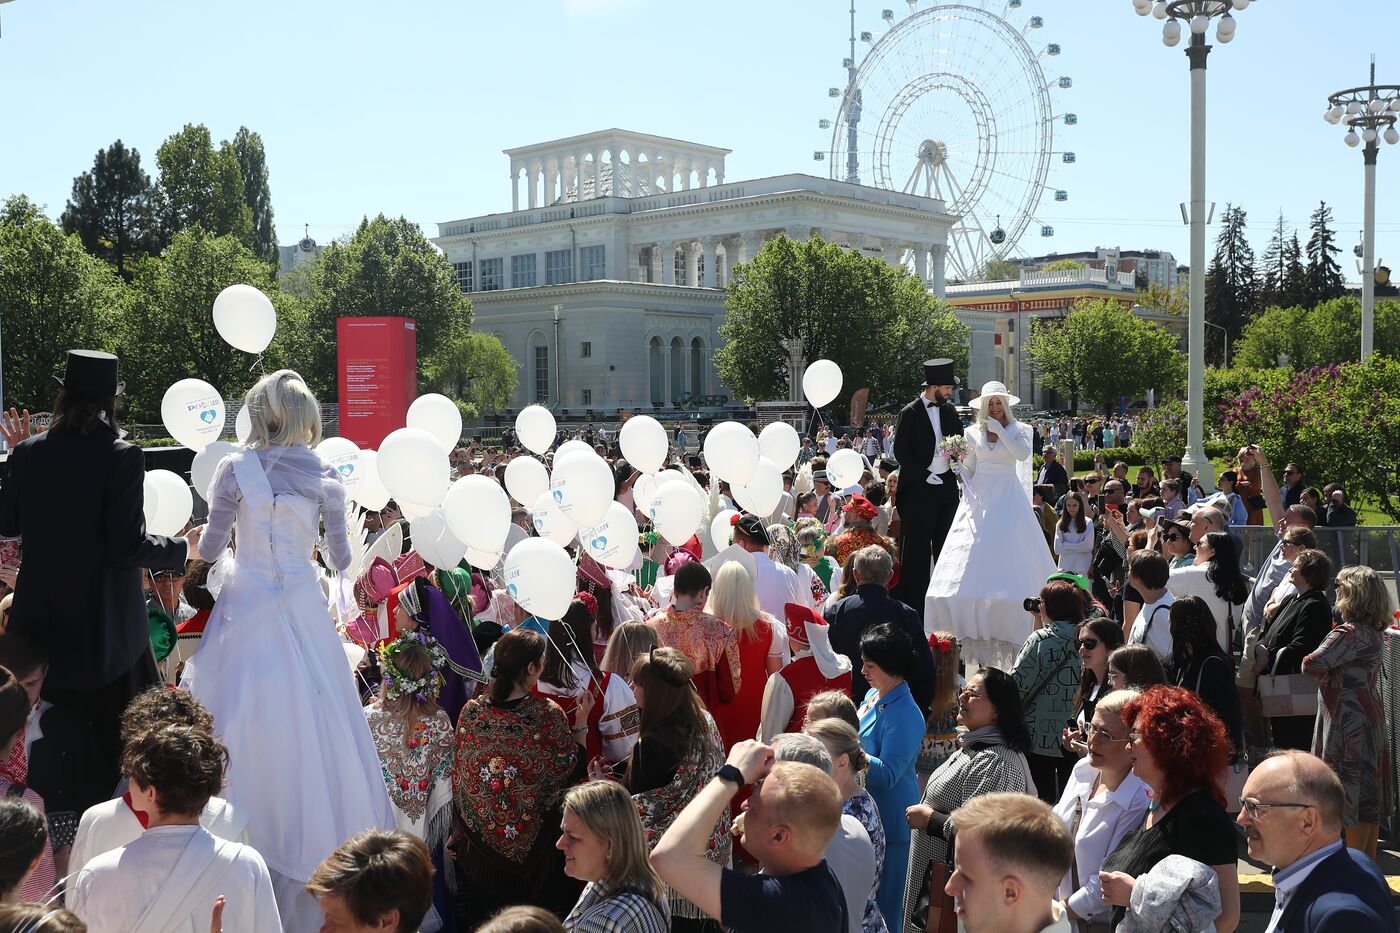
[(1291, 812)]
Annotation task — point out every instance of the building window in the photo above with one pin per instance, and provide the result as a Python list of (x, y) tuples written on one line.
[(586, 350), (522, 271), (588, 396), (492, 274), (464, 275), (697, 367), (592, 263), (558, 267), (542, 374), (678, 264)]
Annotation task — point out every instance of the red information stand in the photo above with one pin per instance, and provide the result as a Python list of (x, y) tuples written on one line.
[(378, 376)]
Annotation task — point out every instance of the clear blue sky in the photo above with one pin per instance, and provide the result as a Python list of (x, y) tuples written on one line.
[(404, 108)]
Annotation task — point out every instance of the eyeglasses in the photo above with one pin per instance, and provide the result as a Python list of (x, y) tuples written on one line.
[(1171, 537), (1090, 643), (1114, 677), (1134, 737), (1253, 808), (1287, 543), (1091, 731), (166, 576)]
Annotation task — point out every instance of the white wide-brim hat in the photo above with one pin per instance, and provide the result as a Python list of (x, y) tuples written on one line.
[(994, 388)]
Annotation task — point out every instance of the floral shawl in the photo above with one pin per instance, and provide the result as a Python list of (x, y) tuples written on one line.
[(700, 637), (417, 769)]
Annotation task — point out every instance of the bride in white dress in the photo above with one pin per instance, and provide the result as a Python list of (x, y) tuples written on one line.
[(270, 667), (995, 555)]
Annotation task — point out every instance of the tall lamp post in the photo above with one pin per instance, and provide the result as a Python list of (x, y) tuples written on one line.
[(1372, 109), (1196, 14)]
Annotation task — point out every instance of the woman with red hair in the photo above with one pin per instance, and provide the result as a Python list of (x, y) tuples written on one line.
[(1179, 748)]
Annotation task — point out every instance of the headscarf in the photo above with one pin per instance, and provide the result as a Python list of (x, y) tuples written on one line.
[(782, 546)]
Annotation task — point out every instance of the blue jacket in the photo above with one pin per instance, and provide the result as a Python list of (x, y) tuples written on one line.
[(891, 732), (1345, 893)]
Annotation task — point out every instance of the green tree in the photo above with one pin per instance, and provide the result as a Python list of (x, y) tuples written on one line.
[(864, 314), (1173, 301), (1324, 275), (203, 186), (1273, 269), (257, 194), (1063, 265), (1329, 333), (386, 268), (167, 331), (1001, 270), (1102, 352), (55, 297), (1295, 275), (1229, 283), (476, 371), (114, 209)]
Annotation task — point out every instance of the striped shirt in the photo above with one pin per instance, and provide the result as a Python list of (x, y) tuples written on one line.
[(623, 912)]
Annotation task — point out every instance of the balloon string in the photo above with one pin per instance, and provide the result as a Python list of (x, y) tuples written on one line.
[(258, 365)]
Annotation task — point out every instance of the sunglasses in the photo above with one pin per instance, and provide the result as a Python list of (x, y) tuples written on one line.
[(1090, 643), (1171, 537)]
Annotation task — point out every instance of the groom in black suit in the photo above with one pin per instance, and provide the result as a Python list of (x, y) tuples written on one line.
[(927, 495)]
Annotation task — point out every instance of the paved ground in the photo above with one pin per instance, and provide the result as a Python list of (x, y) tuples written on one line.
[(1257, 892)]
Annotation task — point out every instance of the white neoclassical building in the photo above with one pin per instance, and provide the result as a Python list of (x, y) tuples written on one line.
[(606, 280)]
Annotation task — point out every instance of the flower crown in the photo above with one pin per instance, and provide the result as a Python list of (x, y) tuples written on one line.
[(423, 689), (590, 602)]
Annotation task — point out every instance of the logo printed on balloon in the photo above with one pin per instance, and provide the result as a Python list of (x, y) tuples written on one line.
[(558, 495), (599, 543), (208, 416), (346, 469), (539, 521), (512, 590)]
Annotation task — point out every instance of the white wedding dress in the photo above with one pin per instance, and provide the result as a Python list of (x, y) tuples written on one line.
[(995, 554), (271, 670)]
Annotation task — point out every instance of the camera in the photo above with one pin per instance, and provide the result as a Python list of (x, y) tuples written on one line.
[(1032, 604)]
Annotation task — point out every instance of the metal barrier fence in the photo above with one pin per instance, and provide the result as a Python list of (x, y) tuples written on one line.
[(1374, 546)]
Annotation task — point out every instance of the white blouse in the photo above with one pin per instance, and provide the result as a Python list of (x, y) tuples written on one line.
[(1102, 826)]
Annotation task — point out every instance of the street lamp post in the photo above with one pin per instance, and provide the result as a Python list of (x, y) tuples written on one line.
[(1225, 335), (1196, 14), (1372, 109)]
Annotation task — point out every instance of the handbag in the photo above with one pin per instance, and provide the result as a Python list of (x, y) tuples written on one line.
[(933, 907), (1287, 694)]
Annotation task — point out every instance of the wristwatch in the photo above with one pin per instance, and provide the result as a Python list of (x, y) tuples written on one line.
[(730, 773)]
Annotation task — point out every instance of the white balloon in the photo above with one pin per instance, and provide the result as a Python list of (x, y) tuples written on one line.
[(764, 490), (569, 447), (245, 318), (482, 560), (175, 502), (193, 412), (413, 466), (536, 428), (676, 512), (644, 443), (413, 510), (526, 478), (722, 529), (779, 442), (478, 512), (645, 488), (434, 541), (613, 541), (243, 425), (731, 450), (343, 454), (439, 416), (844, 468), (205, 463), (550, 522), (540, 576), (150, 501), (582, 484), (821, 382), (371, 494)]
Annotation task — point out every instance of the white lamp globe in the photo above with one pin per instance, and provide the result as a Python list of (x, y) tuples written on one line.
[(1225, 30), (1240, 4), (1369, 134), (1171, 33), (1354, 108), (1351, 139), (1199, 24), (1143, 7), (1332, 116), (1395, 104), (1391, 136), (1159, 9)]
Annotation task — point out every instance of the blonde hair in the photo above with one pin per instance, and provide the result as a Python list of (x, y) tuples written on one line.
[(832, 704), (1020, 833), (981, 410), (840, 739), (733, 599), (807, 801), (608, 812), (1114, 701), (283, 412), (1362, 597), (628, 642)]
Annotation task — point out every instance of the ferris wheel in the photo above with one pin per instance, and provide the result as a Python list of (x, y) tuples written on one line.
[(953, 102)]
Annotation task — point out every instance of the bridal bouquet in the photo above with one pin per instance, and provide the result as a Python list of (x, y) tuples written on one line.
[(954, 448)]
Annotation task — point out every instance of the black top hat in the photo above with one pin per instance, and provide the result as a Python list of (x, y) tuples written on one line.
[(939, 373), (93, 372), (752, 526)]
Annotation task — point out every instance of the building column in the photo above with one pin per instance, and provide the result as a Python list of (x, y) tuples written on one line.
[(692, 264), (685, 167), (655, 261), (531, 172), (921, 262), (798, 233), (889, 250), (940, 256), (708, 245), (668, 271), (634, 260), (753, 242), (514, 186)]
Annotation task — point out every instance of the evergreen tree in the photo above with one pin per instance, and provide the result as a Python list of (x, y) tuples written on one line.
[(1295, 275), (1230, 283), (1324, 274), (114, 209), (252, 163), (203, 186), (1273, 268)]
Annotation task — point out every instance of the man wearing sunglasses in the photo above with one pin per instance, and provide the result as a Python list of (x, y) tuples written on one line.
[(1291, 812)]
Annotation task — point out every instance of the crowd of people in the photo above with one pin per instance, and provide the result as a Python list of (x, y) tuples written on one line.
[(950, 694)]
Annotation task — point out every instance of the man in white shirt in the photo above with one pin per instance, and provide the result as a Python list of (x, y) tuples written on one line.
[(1148, 572), (168, 880)]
